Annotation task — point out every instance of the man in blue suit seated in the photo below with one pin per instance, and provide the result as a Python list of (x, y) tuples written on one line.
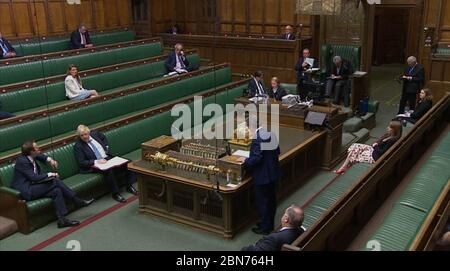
[(34, 184), (291, 229), (264, 165), (178, 62), (6, 49), (92, 147)]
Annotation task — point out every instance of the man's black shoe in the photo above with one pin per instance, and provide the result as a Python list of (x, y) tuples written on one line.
[(118, 197), (260, 231), (64, 223), (132, 190)]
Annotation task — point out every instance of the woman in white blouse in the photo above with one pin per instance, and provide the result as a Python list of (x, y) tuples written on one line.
[(74, 88)]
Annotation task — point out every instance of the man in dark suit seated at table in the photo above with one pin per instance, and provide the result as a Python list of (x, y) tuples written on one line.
[(264, 165), (338, 84), (289, 33), (291, 229), (34, 184), (6, 49), (175, 30), (4, 114), (92, 147), (256, 85), (80, 38), (178, 62), (301, 67), (413, 80)]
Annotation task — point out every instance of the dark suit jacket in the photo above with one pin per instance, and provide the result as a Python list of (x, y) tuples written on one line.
[(8, 45), (24, 174), (281, 92), (275, 241), (301, 70), (75, 39), (421, 109), (171, 62), (263, 164), (414, 85), (85, 155), (382, 147), (291, 37), (253, 88), (345, 71)]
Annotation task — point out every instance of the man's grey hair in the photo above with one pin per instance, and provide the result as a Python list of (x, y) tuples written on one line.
[(82, 25), (295, 215), (412, 59), (337, 59)]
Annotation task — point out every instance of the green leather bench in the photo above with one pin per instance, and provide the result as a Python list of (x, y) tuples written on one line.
[(51, 45), (63, 124), (124, 141), (351, 53), (404, 220), (28, 100), (40, 69)]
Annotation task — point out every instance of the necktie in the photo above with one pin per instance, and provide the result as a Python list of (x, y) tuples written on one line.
[(181, 62), (4, 48), (410, 70), (35, 167), (260, 89), (83, 39), (96, 151)]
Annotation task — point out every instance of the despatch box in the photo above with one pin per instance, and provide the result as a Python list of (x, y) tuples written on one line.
[(160, 144)]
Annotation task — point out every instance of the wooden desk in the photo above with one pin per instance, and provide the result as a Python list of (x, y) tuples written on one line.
[(275, 57), (190, 201)]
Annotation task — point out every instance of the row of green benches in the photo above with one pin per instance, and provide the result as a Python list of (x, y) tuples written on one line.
[(405, 219), (50, 45), (124, 141), (26, 100), (15, 73), (59, 125)]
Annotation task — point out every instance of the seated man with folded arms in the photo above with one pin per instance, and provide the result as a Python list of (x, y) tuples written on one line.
[(178, 62), (92, 147), (80, 38), (276, 91), (6, 49), (34, 184), (74, 89), (4, 114), (291, 229)]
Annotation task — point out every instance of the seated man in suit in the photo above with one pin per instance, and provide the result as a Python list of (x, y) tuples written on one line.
[(175, 29), (92, 147), (337, 83), (256, 85), (7, 51), (4, 114), (80, 38), (291, 229), (33, 184), (289, 33), (276, 91), (301, 67), (178, 62)]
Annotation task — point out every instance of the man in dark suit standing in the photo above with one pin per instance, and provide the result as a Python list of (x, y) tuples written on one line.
[(6, 49), (33, 184), (264, 166), (291, 229), (301, 67), (80, 38), (289, 33), (413, 80), (92, 147), (178, 62), (256, 85), (338, 80)]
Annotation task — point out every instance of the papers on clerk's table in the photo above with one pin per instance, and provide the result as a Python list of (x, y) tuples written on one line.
[(242, 153), (257, 99), (112, 163)]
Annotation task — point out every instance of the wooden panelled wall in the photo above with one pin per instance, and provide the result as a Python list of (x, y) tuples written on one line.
[(437, 69), (25, 18), (230, 16)]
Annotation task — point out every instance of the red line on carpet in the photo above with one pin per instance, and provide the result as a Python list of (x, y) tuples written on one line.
[(88, 221)]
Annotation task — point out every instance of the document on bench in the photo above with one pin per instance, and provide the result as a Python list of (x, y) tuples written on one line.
[(112, 163), (245, 154)]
